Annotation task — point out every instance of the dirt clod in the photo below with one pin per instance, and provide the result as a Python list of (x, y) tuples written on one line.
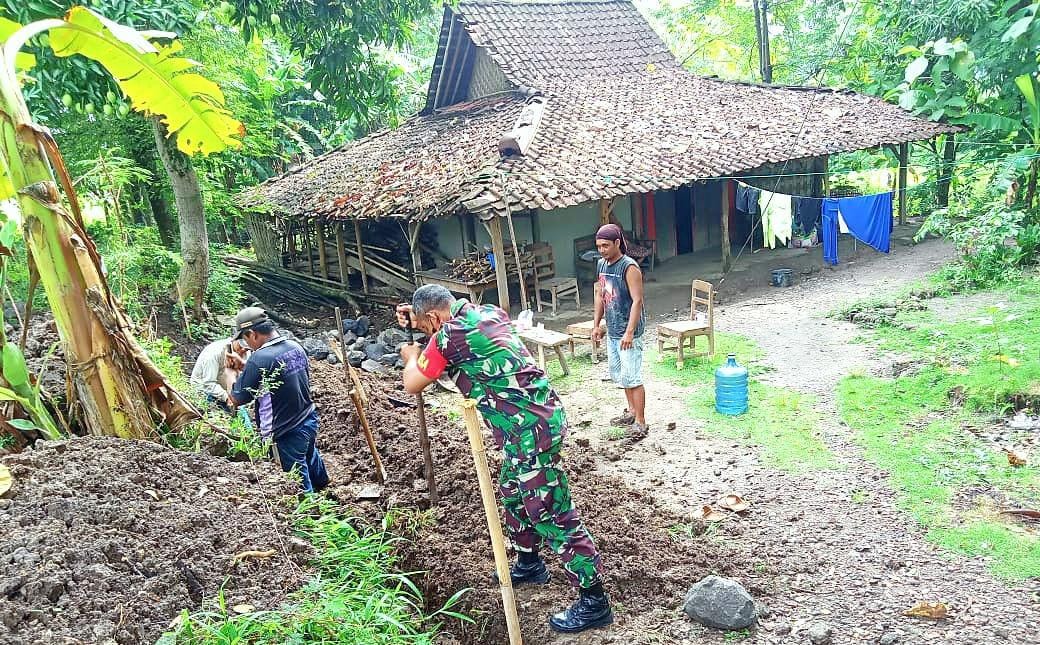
[(107, 540)]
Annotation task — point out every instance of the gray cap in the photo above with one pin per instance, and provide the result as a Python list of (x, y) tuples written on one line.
[(247, 319)]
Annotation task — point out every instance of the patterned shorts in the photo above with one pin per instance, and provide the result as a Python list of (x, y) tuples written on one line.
[(626, 366)]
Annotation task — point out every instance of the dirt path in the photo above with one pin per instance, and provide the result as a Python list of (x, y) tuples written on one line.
[(819, 557)]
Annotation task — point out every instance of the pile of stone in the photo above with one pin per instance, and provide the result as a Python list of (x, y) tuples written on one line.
[(372, 351)]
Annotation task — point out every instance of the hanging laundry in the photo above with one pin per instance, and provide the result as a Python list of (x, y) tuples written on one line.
[(829, 230), (869, 219), (747, 199), (776, 218), (807, 211)]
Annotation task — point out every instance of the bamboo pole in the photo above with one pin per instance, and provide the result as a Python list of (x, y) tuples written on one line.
[(498, 543), (357, 396), (361, 255), (516, 251)]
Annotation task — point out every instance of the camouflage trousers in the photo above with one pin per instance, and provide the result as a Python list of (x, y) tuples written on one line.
[(539, 511)]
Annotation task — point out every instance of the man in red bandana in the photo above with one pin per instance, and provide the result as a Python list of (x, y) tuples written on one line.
[(619, 299)]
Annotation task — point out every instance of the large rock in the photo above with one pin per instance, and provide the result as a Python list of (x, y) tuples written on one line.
[(332, 359), (394, 335), (720, 603), (316, 348), (388, 359), (362, 325), (375, 367), (356, 358), (375, 351)]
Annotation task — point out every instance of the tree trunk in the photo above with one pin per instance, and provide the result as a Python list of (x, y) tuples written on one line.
[(194, 237), (1031, 188), (163, 219), (116, 386)]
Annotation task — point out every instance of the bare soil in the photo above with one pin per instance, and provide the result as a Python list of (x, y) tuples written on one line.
[(647, 568), (107, 540), (833, 546)]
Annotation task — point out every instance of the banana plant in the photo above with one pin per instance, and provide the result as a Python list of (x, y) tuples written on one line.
[(117, 390)]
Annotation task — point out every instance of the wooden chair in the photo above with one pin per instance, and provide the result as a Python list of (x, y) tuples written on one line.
[(702, 301), (545, 280)]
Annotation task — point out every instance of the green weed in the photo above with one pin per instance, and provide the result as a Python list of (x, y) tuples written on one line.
[(352, 598), (614, 434), (859, 496), (737, 635), (975, 367)]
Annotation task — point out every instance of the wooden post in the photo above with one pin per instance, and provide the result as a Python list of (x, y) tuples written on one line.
[(310, 248), (536, 227), (341, 256), (946, 174), (604, 212), (499, 249), (638, 222), (826, 176), (463, 233), (487, 497), (904, 154), (323, 260), (413, 245), (727, 252), (361, 255)]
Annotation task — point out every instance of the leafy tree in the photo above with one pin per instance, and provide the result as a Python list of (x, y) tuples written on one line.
[(345, 47), (116, 386)]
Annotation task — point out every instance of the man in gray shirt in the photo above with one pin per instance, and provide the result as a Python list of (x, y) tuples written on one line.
[(619, 299)]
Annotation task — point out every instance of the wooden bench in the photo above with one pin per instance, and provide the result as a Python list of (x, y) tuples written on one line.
[(544, 339), (583, 332)]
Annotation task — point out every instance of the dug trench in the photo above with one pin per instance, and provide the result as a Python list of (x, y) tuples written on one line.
[(648, 564)]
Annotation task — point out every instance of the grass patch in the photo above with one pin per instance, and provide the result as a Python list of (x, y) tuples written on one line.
[(353, 597), (929, 460), (783, 423), (988, 358)]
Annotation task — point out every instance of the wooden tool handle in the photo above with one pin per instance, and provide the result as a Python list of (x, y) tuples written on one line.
[(357, 395), (380, 471), (487, 496), (424, 436)]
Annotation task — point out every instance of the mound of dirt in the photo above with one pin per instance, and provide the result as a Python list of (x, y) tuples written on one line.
[(107, 540), (646, 567)]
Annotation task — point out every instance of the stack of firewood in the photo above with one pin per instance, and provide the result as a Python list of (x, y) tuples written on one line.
[(472, 267)]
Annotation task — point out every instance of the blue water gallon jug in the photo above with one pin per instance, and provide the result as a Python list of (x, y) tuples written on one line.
[(731, 388)]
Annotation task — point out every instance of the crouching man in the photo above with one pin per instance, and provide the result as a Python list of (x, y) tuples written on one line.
[(477, 347), (277, 375)]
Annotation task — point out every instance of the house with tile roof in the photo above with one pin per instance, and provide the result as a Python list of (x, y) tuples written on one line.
[(555, 115)]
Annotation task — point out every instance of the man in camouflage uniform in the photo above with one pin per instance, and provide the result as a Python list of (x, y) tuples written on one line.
[(478, 347)]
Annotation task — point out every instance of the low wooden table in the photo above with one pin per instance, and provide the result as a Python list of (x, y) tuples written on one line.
[(547, 339), (583, 331)]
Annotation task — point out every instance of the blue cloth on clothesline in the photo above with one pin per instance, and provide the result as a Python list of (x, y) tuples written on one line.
[(868, 218), (829, 231)]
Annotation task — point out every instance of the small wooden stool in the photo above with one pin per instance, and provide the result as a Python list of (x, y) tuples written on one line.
[(547, 339), (583, 331)]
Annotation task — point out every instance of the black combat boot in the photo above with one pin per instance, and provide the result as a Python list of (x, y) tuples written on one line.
[(591, 609), (528, 570)]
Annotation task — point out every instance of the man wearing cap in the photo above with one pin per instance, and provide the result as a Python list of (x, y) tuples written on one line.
[(619, 299), (277, 376), (478, 348)]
